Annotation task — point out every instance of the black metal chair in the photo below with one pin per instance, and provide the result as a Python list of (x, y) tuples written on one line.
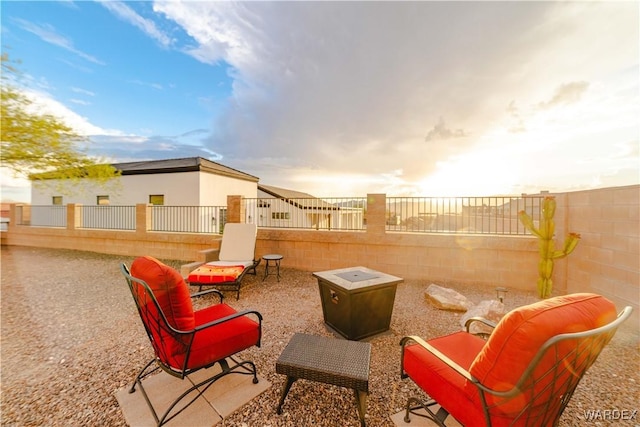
[(185, 341)]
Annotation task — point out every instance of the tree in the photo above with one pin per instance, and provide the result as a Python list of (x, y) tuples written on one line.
[(40, 146)]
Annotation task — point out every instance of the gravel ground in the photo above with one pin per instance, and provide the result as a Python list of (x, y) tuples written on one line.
[(71, 338)]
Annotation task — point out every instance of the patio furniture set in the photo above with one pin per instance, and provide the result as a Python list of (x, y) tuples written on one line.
[(524, 373)]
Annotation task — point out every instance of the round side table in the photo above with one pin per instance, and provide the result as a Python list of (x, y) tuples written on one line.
[(272, 260)]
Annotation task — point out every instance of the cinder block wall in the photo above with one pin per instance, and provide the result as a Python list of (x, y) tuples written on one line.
[(607, 260)]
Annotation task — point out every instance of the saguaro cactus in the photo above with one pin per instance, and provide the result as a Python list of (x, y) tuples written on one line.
[(548, 252)]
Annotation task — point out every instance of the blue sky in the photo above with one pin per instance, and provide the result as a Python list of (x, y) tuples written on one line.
[(345, 98)]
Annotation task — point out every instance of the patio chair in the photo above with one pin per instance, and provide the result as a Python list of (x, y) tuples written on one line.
[(524, 374), (185, 341), (236, 258)]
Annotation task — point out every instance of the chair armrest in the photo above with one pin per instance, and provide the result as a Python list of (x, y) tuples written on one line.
[(469, 322), (431, 349), (207, 292), (228, 318)]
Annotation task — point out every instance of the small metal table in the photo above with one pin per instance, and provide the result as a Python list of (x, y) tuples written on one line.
[(275, 259), (327, 360)]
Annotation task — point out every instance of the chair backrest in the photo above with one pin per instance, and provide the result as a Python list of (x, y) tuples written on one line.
[(537, 354), (238, 242), (164, 304)]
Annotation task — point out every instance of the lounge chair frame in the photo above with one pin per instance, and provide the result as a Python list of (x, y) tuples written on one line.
[(232, 285)]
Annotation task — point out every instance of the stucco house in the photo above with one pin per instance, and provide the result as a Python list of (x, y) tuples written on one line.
[(192, 181), (186, 182), (279, 207)]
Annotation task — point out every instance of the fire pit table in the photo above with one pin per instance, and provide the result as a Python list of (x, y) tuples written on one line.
[(357, 302)]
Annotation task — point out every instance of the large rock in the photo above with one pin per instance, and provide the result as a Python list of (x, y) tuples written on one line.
[(489, 309), (447, 299)]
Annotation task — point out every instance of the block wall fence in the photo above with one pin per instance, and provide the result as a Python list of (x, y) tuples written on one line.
[(606, 261)]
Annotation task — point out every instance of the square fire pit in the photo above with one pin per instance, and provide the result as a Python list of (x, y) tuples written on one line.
[(357, 302)]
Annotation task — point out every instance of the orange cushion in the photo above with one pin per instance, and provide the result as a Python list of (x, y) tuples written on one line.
[(170, 290), (223, 340), (172, 295), (521, 333), (442, 383), (215, 274)]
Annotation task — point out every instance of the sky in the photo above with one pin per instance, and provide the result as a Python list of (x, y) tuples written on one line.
[(341, 99)]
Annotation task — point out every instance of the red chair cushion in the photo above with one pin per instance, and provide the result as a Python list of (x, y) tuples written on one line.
[(174, 300), (170, 291), (521, 333), (217, 342), (215, 274), (442, 383)]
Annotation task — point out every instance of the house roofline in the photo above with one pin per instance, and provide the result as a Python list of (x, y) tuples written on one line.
[(187, 164)]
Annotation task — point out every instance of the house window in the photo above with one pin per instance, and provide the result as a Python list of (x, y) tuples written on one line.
[(279, 215), (102, 200), (156, 199), (56, 200)]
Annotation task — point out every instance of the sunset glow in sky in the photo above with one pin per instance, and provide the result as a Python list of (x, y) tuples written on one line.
[(346, 98)]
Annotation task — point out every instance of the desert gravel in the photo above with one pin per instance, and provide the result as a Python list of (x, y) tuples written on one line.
[(71, 338)]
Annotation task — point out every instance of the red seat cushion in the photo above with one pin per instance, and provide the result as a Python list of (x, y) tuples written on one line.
[(215, 273), (220, 341), (442, 383), (174, 299), (500, 362), (519, 336), (170, 291)]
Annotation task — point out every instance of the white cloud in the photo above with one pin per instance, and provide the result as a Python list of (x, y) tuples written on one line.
[(50, 35), (356, 87), (44, 103), (124, 12)]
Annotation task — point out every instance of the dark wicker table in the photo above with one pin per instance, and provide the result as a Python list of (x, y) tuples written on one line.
[(327, 360)]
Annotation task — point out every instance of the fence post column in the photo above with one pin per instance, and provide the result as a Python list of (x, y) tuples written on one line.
[(376, 213), (235, 211), (73, 216), (14, 218), (143, 219)]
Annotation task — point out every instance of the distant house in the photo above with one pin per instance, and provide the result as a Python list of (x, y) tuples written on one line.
[(279, 207), (192, 181), (187, 182)]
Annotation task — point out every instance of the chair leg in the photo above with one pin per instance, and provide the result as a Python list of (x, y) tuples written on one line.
[(141, 375), (238, 367), (414, 404)]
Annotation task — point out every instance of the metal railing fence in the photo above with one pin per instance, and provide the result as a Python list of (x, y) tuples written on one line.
[(344, 213), (108, 217), (463, 215), (459, 215), (42, 215), (188, 219)]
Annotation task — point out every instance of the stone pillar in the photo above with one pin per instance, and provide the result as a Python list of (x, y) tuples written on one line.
[(235, 209), (376, 213), (74, 213), (143, 219)]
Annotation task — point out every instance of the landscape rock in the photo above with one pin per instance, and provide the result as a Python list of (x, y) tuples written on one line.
[(447, 299), (492, 310)]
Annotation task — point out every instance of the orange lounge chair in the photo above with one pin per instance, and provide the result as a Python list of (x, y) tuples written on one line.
[(236, 258)]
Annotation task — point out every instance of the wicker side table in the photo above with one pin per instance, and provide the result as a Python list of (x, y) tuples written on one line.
[(327, 360)]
